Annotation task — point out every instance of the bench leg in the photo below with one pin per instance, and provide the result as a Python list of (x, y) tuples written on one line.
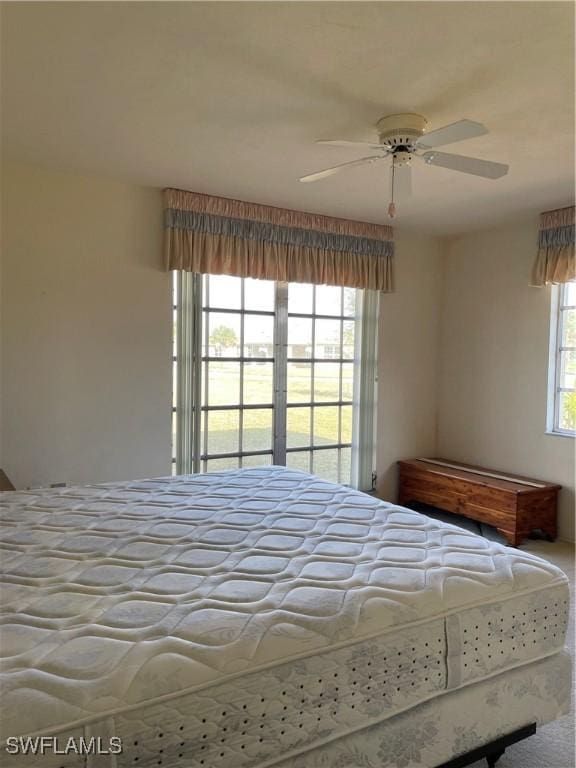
[(550, 532), (494, 757), (512, 539)]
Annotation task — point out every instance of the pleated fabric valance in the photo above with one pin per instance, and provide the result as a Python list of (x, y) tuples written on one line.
[(220, 236), (556, 261)]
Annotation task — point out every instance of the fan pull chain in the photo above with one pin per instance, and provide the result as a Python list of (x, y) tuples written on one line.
[(392, 206)]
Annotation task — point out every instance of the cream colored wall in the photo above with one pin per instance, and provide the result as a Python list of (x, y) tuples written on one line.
[(494, 362), (86, 330), (408, 338)]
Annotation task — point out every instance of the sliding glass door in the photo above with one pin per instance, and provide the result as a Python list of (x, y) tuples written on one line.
[(276, 375), (320, 360)]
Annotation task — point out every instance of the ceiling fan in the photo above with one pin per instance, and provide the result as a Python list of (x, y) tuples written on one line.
[(403, 137)]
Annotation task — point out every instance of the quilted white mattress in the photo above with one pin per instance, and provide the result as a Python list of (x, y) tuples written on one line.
[(257, 612)]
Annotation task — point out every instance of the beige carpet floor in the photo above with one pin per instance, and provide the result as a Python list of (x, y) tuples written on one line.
[(552, 746)]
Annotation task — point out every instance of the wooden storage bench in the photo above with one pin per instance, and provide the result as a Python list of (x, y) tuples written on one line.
[(514, 505)]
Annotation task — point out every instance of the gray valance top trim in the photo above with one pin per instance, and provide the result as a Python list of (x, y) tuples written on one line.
[(273, 233), (558, 236)]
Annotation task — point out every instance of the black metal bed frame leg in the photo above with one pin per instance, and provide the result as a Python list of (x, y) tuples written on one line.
[(492, 751), (494, 757)]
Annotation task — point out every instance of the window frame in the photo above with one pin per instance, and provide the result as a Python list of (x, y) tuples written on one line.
[(558, 308)]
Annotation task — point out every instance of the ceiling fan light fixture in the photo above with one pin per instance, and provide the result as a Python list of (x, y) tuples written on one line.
[(402, 157)]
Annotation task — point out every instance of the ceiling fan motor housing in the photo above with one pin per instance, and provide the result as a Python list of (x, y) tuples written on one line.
[(401, 131)]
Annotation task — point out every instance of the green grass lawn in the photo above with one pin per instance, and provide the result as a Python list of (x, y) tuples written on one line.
[(223, 426)]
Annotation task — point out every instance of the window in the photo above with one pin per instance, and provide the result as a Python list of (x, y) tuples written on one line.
[(562, 369), (274, 380)]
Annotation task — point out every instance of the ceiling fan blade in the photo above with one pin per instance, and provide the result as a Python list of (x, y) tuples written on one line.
[(449, 134), (402, 182), (337, 168), (473, 165), (351, 144)]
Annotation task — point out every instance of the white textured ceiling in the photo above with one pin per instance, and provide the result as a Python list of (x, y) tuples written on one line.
[(228, 98)]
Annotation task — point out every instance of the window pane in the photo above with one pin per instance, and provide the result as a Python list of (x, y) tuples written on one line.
[(569, 297), (568, 370), (346, 424), (218, 465), (257, 430), (328, 300), (174, 432), (174, 332), (568, 318), (223, 383), (345, 465), (225, 291), (259, 294), (348, 340), (174, 383), (326, 382), (258, 336), (223, 431), (325, 464), (258, 380), (223, 334), (326, 425), (300, 298), (298, 460), (349, 301), (347, 381), (299, 383), (567, 410), (327, 339), (299, 337), (298, 427), (263, 460)]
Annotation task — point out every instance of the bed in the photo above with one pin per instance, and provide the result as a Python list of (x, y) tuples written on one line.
[(265, 617)]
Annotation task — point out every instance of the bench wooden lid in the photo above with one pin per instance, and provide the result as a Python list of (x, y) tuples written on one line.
[(493, 477)]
